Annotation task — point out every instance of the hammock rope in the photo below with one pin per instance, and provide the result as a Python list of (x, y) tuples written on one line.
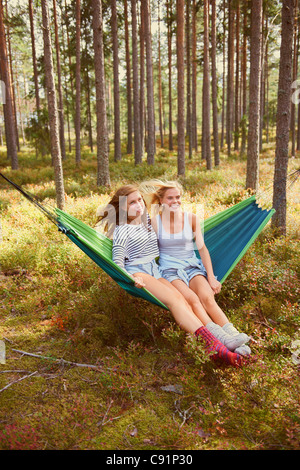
[(227, 235)]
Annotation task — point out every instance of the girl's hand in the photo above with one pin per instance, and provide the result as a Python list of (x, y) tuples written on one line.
[(138, 281), (215, 285)]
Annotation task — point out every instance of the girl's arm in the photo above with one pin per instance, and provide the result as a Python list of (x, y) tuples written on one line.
[(205, 256)]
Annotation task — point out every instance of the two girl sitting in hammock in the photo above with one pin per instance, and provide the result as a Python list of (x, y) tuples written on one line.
[(182, 281)]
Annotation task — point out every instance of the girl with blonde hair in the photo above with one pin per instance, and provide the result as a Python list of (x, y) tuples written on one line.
[(135, 249), (178, 232)]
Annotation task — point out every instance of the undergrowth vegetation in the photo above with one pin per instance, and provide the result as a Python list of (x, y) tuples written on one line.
[(89, 367)]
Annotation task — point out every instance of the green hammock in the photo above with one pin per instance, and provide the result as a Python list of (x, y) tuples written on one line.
[(227, 235)]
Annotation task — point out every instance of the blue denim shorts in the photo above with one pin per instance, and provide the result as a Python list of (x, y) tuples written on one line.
[(184, 274), (151, 268)]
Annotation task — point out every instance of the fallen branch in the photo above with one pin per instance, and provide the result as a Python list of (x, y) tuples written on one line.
[(60, 361), (19, 380)]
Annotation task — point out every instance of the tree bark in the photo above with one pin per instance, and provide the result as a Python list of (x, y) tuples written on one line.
[(103, 177), (206, 140), (169, 9), (114, 28), (52, 108), (35, 72), (283, 116), (78, 84), (9, 122), (151, 142), (128, 82), (214, 84), (60, 94), (252, 178), (136, 97), (180, 88)]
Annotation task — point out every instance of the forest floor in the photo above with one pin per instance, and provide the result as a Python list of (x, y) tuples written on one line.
[(148, 386)]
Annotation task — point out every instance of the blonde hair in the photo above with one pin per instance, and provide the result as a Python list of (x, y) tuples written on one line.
[(114, 213), (154, 190)]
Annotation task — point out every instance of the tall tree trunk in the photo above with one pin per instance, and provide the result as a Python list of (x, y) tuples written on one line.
[(169, 10), (12, 81), (160, 100), (114, 28), (35, 72), (252, 178), (230, 77), (244, 81), (9, 122), (52, 108), (180, 88), (103, 177), (188, 80), (214, 84), (206, 140), (136, 97), (128, 83), (293, 107), (237, 78), (151, 143), (283, 116), (78, 83), (142, 80), (194, 78), (60, 94)]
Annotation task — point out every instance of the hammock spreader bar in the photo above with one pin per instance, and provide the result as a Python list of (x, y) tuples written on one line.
[(227, 235)]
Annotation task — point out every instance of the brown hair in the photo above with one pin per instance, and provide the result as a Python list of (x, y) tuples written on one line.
[(114, 213)]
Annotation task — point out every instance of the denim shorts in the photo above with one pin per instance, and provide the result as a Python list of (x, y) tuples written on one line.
[(184, 274), (151, 268)]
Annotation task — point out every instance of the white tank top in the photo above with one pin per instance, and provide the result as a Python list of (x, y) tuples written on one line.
[(180, 244)]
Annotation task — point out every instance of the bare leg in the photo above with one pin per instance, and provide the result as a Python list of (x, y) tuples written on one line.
[(193, 300), (201, 287), (173, 299)]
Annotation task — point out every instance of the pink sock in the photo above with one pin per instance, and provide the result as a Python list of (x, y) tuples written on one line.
[(212, 344)]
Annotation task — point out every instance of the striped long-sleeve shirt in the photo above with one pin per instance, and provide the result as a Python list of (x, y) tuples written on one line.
[(134, 244)]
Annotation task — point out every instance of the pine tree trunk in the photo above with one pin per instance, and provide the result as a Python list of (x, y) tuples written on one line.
[(188, 80), (180, 88), (35, 72), (283, 116), (230, 77), (169, 9), (237, 78), (78, 85), (142, 80), (160, 101), (103, 177), (114, 28), (194, 79), (128, 83), (136, 97), (151, 142), (244, 82), (214, 84), (206, 140), (10, 130), (52, 108), (60, 94), (252, 178)]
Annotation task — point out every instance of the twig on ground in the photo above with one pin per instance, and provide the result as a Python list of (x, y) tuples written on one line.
[(58, 361), (16, 381)]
